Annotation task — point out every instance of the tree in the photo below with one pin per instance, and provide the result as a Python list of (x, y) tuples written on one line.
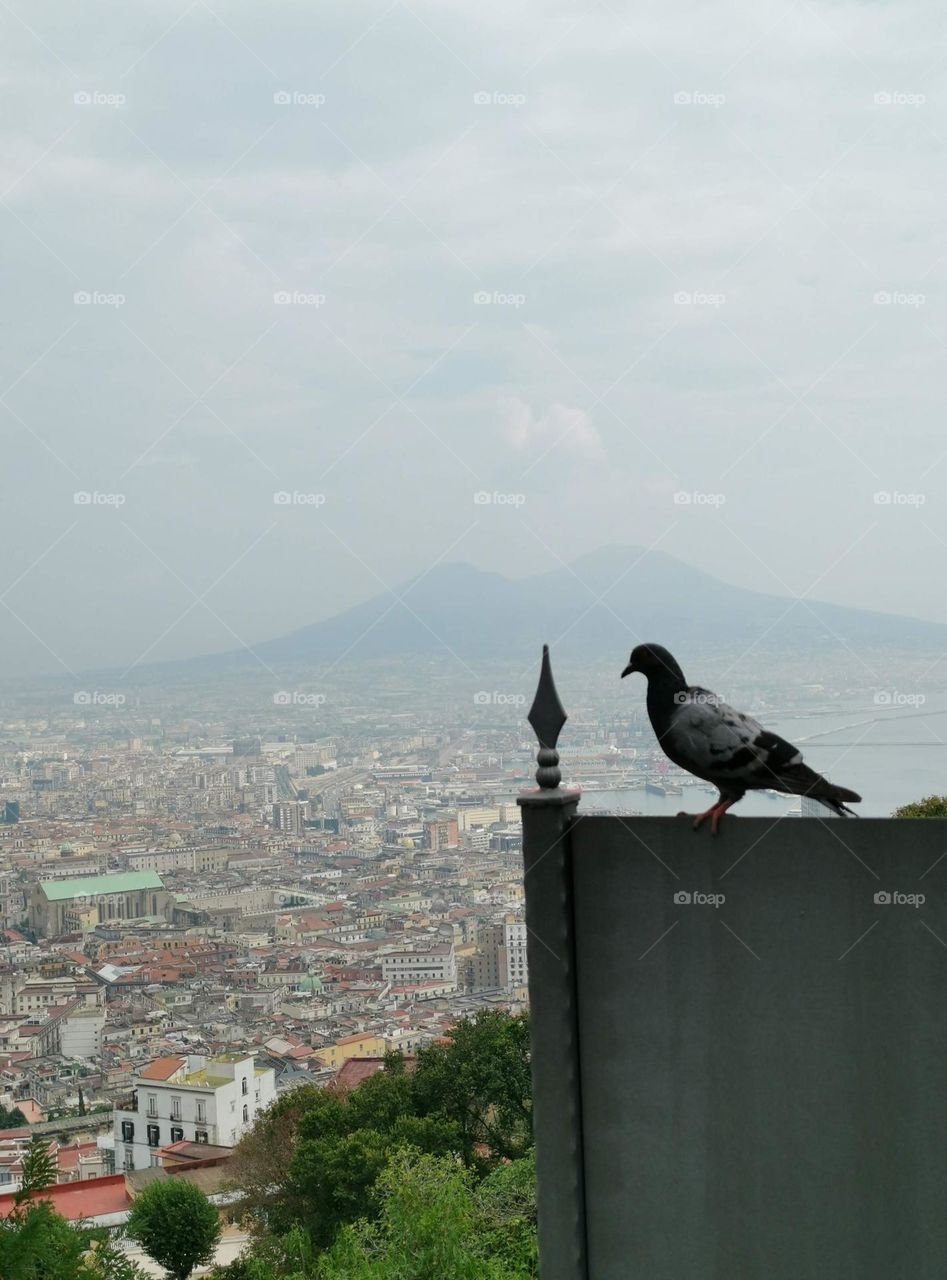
[(314, 1158), (36, 1243), (12, 1118), (176, 1225), (257, 1169), (430, 1224), (345, 1141), (506, 1205), (289, 1257), (480, 1079), (929, 807), (39, 1170)]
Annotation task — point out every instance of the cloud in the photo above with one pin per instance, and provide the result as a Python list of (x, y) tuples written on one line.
[(776, 166), (566, 430)]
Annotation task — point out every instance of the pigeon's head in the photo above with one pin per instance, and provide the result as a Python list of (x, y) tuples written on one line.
[(653, 661)]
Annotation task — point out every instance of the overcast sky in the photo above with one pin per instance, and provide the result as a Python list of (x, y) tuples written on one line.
[(778, 166)]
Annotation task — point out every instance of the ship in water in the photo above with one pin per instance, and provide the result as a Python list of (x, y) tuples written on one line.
[(663, 788)]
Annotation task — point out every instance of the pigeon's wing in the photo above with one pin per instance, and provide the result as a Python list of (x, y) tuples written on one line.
[(725, 744), (735, 752)]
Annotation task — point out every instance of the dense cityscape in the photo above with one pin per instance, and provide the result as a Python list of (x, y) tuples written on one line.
[(304, 898), (211, 895)]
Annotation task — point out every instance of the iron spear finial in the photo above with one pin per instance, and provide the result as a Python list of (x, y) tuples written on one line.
[(547, 716)]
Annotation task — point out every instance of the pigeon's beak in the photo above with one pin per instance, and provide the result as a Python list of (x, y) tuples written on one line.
[(629, 670)]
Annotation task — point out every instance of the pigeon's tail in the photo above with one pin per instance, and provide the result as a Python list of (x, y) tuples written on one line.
[(835, 803), (800, 780)]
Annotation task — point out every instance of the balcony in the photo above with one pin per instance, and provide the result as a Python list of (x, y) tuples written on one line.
[(737, 1044)]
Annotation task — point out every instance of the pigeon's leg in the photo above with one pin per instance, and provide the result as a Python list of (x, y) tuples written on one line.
[(710, 813), (718, 813), (714, 813)]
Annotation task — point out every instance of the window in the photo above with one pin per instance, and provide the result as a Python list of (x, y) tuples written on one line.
[(128, 1163), (246, 1114), (246, 1087), (152, 1104), (175, 1108), (154, 1135), (200, 1135), (128, 1131), (201, 1112), (177, 1134)]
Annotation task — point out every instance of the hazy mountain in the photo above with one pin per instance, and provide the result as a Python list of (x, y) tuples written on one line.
[(596, 607)]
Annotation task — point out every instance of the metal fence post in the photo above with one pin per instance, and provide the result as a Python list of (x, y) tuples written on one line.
[(548, 813)]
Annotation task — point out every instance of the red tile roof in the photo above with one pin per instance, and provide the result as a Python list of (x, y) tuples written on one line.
[(161, 1068), (69, 1156), (354, 1070), (74, 1200)]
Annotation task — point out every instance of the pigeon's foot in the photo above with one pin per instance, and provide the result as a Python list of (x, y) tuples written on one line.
[(702, 817), (714, 813)]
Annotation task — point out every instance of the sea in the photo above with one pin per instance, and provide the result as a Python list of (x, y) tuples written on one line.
[(891, 754)]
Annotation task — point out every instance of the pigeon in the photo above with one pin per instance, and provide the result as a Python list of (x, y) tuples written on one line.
[(700, 733)]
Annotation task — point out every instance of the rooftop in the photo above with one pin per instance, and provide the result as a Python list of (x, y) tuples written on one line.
[(95, 1198), (85, 886), (161, 1068), (174, 1069)]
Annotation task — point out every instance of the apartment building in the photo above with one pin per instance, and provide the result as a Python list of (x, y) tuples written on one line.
[(192, 1099), (201, 861), (499, 961), (432, 962)]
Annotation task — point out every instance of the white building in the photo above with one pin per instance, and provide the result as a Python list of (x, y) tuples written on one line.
[(190, 1099), (514, 955), (80, 1033), (434, 962)]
